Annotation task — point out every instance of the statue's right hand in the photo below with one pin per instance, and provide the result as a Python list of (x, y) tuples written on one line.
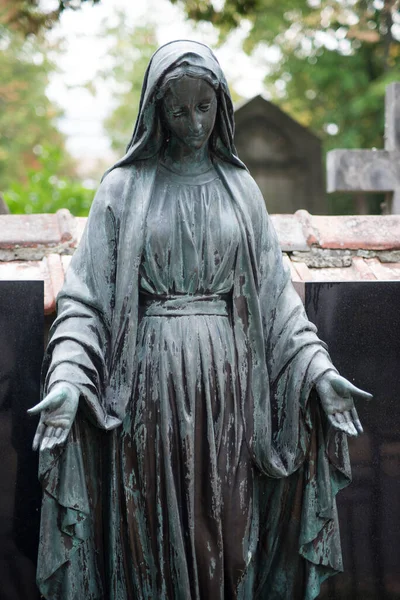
[(57, 413)]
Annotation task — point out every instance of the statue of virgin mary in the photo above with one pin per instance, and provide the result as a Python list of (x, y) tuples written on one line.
[(193, 431)]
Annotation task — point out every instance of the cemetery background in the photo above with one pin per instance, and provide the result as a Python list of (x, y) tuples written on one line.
[(345, 268)]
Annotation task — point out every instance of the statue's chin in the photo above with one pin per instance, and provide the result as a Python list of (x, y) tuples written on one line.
[(196, 142)]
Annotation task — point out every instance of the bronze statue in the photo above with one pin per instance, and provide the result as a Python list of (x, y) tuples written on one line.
[(184, 452)]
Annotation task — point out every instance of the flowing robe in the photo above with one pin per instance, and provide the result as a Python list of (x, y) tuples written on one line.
[(299, 463)]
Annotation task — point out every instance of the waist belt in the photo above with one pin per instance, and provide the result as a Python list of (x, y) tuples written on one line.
[(181, 306)]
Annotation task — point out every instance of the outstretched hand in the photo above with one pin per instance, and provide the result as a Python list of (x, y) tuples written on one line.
[(58, 410), (336, 396)]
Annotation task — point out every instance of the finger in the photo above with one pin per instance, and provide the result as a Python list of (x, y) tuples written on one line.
[(350, 425), (62, 439), (339, 422), (333, 422), (356, 421), (39, 407), (56, 438), (53, 441), (351, 430), (47, 438), (352, 389), (49, 431), (43, 445), (38, 436), (355, 391), (346, 423), (345, 388), (57, 421), (347, 416), (51, 401)]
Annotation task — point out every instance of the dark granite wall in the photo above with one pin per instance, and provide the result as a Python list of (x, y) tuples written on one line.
[(361, 323), (21, 352)]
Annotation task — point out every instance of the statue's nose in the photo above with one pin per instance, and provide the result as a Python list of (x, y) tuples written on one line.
[(196, 124)]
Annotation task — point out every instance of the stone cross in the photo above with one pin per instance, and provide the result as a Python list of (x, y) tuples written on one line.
[(372, 170)]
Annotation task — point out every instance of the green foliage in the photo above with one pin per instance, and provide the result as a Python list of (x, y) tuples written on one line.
[(43, 191), (130, 54), (28, 16), (27, 117)]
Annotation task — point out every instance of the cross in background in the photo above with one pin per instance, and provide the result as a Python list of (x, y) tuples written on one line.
[(372, 170)]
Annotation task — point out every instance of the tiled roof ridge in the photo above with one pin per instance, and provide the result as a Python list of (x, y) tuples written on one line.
[(31, 237), (324, 248)]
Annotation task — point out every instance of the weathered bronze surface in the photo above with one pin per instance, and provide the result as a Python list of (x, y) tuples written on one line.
[(183, 449)]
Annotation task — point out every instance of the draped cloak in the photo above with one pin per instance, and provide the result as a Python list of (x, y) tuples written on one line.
[(300, 463)]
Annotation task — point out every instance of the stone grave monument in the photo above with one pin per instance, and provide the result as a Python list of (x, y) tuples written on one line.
[(365, 346), (284, 157), (372, 170), (21, 351)]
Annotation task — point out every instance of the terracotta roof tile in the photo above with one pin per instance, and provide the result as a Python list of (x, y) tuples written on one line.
[(65, 260), (384, 271), (362, 268), (31, 271), (17, 270), (335, 274), (24, 237), (303, 272), (56, 272), (290, 232), (290, 265), (370, 232)]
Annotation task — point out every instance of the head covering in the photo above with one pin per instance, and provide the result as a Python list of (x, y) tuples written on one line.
[(148, 135)]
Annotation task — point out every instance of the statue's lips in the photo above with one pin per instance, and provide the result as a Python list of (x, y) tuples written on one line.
[(196, 139)]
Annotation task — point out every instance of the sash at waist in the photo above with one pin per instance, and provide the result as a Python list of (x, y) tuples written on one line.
[(181, 306)]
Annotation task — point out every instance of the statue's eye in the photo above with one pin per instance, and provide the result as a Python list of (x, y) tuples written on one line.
[(205, 107), (177, 113)]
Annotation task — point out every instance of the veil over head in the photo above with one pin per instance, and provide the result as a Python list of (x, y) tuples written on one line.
[(148, 135)]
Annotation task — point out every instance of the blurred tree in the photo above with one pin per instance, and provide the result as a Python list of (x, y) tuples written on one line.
[(128, 57), (36, 172), (29, 16), (45, 190), (27, 117)]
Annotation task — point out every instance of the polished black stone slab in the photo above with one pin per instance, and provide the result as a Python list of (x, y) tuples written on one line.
[(21, 352), (360, 321)]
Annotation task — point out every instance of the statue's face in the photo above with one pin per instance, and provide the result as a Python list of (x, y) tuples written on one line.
[(189, 110)]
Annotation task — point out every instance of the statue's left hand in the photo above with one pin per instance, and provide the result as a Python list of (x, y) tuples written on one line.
[(336, 396), (57, 413)]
